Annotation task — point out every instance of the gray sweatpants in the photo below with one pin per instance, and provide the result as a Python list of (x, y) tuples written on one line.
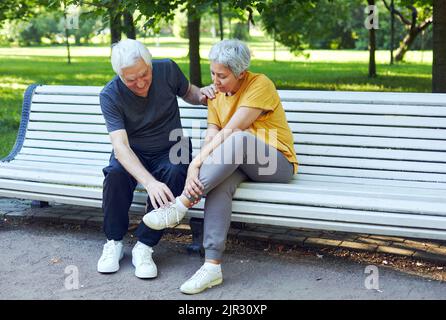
[(240, 157)]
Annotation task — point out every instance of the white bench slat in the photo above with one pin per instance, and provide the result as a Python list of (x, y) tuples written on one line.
[(360, 163), (81, 155), (66, 136), (399, 143), (53, 168), (51, 177), (377, 174), (373, 131), (66, 108), (349, 188), (53, 159), (374, 120), (396, 98), (67, 127), (369, 153), (74, 99), (76, 90), (332, 199), (70, 118), (416, 185), (355, 108), (65, 145)]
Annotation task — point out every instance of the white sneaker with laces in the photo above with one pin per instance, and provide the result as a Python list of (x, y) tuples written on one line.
[(111, 254), (163, 218), (142, 260), (203, 279)]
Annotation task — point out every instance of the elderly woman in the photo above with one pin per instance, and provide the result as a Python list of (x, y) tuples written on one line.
[(248, 138)]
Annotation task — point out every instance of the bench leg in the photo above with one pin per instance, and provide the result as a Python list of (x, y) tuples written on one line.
[(39, 204), (196, 225)]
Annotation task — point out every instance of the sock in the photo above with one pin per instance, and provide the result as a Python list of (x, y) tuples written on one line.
[(212, 266), (180, 205)]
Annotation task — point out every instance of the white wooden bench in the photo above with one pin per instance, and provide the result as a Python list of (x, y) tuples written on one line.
[(369, 162)]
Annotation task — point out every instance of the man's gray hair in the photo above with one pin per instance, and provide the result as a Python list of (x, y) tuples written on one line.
[(126, 53), (232, 53)]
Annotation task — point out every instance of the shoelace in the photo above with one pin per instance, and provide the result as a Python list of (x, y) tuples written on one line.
[(145, 253), (165, 212), (109, 251), (199, 275)]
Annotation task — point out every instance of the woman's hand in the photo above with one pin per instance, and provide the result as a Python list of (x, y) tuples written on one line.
[(193, 186)]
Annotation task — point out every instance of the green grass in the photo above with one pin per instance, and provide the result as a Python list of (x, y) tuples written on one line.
[(324, 70)]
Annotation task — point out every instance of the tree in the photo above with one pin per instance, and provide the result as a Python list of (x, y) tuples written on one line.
[(439, 62), (372, 44), (421, 19)]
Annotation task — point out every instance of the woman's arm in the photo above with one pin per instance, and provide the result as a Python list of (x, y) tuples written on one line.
[(241, 120), (211, 132)]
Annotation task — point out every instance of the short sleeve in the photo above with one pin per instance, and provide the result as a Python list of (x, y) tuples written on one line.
[(177, 79), (260, 94), (114, 119), (212, 114)]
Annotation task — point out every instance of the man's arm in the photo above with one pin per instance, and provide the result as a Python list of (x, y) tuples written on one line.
[(158, 192), (195, 95)]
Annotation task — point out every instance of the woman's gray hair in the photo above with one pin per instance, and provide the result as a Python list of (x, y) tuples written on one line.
[(232, 53), (126, 53)]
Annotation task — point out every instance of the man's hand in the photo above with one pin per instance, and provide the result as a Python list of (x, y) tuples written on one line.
[(207, 92), (159, 194)]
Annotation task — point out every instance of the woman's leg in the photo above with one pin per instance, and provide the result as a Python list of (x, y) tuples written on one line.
[(217, 215), (230, 164)]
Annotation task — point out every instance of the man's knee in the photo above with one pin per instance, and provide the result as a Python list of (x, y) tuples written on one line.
[(115, 174)]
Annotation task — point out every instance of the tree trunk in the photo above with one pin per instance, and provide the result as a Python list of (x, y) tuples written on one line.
[(392, 30), (220, 19), (115, 25), (129, 25), (409, 39), (439, 63), (372, 47), (193, 28)]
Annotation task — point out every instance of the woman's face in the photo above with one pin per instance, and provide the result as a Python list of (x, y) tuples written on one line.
[(224, 80)]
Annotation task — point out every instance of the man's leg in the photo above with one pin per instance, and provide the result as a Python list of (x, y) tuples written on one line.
[(174, 176), (117, 197)]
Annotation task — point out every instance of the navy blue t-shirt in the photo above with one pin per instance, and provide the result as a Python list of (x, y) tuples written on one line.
[(149, 120)]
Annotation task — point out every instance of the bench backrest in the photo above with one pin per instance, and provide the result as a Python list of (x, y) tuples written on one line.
[(397, 136)]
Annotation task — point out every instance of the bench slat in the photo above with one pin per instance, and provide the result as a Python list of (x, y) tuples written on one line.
[(76, 90), (369, 153), (416, 185), (67, 154), (64, 145), (66, 99), (357, 141), (66, 108), (355, 108), (54, 159), (66, 136), (396, 98), (376, 174), (67, 127)]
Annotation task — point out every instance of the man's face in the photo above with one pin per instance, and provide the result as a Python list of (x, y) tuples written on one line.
[(138, 78)]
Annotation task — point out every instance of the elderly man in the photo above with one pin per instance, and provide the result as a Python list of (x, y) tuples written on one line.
[(141, 110)]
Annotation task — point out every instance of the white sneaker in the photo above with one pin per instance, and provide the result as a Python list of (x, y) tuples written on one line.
[(143, 262), (203, 279), (111, 254), (163, 218)]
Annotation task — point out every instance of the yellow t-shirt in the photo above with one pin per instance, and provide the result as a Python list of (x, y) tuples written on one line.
[(257, 91)]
